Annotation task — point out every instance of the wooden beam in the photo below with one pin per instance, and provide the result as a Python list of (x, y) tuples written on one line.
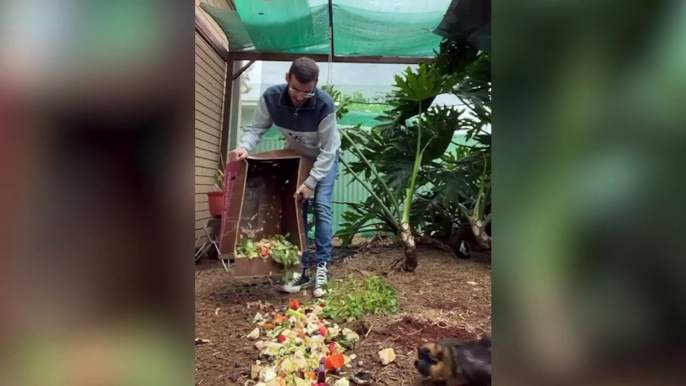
[(226, 120), (242, 70), (284, 57), (204, 30)]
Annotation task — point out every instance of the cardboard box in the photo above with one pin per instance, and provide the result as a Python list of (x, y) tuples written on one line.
[(259, 202)]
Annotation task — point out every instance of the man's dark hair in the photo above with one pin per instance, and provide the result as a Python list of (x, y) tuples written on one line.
[(304, 69)]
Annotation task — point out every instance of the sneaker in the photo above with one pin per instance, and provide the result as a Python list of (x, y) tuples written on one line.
[(299, 282), (319, 281)]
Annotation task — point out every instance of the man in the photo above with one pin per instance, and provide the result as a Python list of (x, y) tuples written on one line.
[(306, 116)]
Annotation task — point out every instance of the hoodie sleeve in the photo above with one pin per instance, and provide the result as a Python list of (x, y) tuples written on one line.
[(329, 144), (260, 124)]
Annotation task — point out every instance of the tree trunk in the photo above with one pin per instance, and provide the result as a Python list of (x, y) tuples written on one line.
[(410, 247)]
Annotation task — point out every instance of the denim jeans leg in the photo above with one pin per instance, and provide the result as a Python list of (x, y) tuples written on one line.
[(305, 260), (323, 217)]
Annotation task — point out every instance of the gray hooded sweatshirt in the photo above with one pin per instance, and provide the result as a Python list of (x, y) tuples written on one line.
[(311, 130)]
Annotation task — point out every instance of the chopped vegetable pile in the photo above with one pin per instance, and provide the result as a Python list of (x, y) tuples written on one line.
[(277, 247), (351, 299), (298, 348)]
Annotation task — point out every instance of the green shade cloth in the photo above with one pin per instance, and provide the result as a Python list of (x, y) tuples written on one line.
[(387, 28), (360, 27)]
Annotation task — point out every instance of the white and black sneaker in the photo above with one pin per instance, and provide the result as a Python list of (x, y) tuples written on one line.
[(320, 280), (300, 281)]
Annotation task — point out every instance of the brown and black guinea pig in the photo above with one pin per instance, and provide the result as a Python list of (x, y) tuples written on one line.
[(457, 362)]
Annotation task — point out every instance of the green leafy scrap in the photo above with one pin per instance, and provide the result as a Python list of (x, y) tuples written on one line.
[(248, 248), (282, 251), (352, 299)]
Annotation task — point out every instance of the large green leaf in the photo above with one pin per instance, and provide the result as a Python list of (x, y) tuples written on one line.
[(439, 125), (420, 84)]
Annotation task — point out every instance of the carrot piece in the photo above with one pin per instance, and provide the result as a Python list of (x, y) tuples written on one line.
[(335, 361)]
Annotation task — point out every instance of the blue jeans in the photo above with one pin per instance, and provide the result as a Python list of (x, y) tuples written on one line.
[(323, 219)]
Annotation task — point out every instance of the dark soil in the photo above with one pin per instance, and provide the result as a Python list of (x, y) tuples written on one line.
[(411, 333), (445, 297)]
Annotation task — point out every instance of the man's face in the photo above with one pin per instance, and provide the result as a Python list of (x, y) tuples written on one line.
[(300, 92)]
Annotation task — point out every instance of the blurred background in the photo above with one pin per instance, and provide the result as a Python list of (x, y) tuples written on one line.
[(96, 159), (96, 164), (588, 266)]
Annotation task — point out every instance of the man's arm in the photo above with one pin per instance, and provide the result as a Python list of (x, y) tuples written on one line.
[(260, 124), (329, 143)]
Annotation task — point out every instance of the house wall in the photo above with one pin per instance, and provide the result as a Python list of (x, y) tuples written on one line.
[(210, 78)]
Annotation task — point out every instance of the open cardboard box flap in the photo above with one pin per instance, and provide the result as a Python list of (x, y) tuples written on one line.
[(259, 202)]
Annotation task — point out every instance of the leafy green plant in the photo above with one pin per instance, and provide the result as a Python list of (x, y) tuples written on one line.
[(462, 181), (413, 89), (352, 299), (459, 194), (343, 102), (219, 175), (416, 187)]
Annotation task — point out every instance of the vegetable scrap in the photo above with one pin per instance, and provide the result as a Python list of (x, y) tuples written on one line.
[(201, 341), (277, 247), (298, 348), (254, 334), (258, 305), (386, 356)]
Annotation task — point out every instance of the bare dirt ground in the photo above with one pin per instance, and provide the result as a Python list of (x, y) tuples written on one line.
[(444, 297)]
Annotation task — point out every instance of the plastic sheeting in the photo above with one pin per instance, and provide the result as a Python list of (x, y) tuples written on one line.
[(360, 27), (468, 21)]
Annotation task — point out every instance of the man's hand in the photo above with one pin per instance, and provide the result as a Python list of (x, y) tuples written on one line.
[(238, 154), (303, 193)]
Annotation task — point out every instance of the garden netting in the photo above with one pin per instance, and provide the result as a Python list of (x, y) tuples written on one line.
[(360, 27)]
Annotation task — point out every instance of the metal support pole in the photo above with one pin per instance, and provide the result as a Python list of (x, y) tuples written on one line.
[(235, 123), (332, 51)]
